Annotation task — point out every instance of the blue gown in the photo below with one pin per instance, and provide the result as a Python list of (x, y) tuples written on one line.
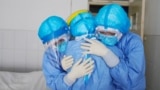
[(129, 74), (99, 79)]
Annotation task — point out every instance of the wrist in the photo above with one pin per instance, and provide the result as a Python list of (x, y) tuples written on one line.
[(69, 79), (111, 59), (71, 76), (105, 53)]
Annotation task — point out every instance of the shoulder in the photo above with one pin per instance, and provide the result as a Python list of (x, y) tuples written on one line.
[(132, 36), (131, 40)]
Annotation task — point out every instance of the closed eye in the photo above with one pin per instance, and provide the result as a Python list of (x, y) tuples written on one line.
[(60, 40), (107, 33)]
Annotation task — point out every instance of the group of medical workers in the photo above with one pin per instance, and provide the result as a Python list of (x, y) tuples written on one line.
[(87, 52)]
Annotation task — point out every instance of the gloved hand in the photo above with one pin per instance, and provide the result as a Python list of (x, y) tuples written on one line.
[(80, 69), (95, 47), (67, 62)]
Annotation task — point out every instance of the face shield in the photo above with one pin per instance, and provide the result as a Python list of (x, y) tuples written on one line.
[(58, 44), (108, 36), (53, 33)]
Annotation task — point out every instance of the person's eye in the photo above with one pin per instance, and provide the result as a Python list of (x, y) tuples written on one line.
[(55, 43), (61, 40), (102, 32), (110, 33)]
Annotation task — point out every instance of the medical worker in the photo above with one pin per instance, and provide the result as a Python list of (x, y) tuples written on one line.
[(53, 33), (121, 49), (82, 25)]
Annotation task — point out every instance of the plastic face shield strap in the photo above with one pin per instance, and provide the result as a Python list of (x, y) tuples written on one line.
[(86, 77), (84, 57)]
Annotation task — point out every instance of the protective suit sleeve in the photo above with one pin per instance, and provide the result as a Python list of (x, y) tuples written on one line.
[(129, 73), (53, 72)]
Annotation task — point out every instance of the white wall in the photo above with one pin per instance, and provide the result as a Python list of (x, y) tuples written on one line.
[(79, 4), (20, 50), (28, 14), (152, 20), (152, 44), (20, 47)]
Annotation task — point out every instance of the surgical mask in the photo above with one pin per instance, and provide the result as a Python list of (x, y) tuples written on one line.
[(108, 40), (108, 36), (62, 46)]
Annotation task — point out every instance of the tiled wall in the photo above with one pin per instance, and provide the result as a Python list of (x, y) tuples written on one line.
[(20, 50)]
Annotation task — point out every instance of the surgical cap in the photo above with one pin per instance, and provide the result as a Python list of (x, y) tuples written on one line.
[(51, 28), (113, 16), (82, 23)]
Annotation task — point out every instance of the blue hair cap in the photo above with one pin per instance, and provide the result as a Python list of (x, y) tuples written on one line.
[(51, 28), (83, 23), (113, 16)]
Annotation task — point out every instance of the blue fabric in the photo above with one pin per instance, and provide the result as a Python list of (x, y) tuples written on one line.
[(53, 71), (62, 46), (129, 74), (83, 23), (113, 16), (108, 40), (96, 81), (51, 28)]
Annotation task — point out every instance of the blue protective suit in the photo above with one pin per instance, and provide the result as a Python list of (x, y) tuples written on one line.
[(53, 71), (99, 79), (129, 74)]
